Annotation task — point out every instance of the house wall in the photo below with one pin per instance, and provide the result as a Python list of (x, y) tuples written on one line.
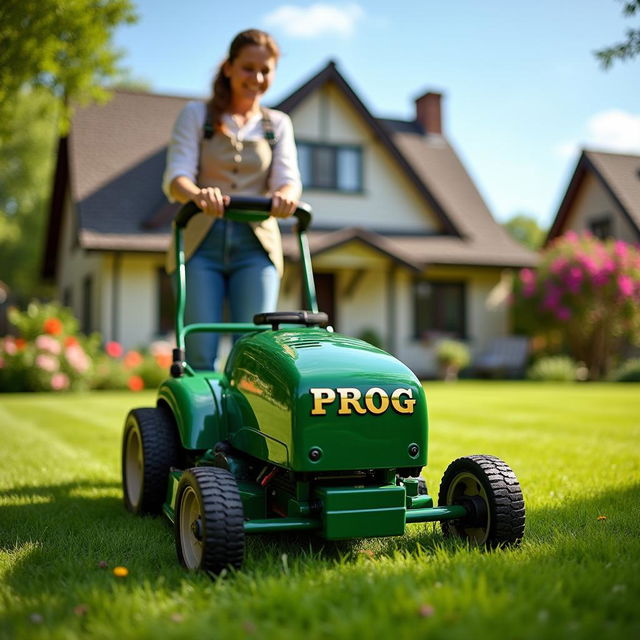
[(593, 202), (370, 303), (487, 313), (389, 202), (138, 302), (74, 266)]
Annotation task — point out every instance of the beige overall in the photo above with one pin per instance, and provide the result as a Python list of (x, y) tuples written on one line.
[(240, 168)]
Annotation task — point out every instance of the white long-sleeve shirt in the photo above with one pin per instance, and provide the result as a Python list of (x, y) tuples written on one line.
[(184, 146)]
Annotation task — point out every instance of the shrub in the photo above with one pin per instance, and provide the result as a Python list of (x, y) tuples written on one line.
[(452, 356), (49, 354), (372, 337), (553, 369), (628, 371), (587, 293)]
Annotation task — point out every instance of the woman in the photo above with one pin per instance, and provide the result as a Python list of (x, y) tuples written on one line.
[(232, 145)]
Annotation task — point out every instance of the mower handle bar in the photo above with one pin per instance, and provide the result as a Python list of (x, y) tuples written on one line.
[(242, 209), (258, 206)]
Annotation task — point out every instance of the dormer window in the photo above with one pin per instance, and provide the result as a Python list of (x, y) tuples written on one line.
[(330, 167)]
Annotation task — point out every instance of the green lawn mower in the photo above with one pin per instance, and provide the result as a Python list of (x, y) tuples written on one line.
[(304, 430)]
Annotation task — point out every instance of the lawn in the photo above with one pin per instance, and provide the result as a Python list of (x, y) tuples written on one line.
[(575, 448)]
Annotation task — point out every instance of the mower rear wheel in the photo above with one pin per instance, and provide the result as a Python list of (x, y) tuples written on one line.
[(150, 447), (209, 522), (490, 491)]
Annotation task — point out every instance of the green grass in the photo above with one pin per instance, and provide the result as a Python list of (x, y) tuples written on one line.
[(575, 448)]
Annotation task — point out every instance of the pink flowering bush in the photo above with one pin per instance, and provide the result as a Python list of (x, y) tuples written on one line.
[(585, 296)]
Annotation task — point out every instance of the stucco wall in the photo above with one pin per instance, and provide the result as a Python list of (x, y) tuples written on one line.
[(75, 265), (592, 203), (389, 200)]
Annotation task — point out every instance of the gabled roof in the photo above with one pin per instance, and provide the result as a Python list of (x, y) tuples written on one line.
[(114, 158), (617, 173)]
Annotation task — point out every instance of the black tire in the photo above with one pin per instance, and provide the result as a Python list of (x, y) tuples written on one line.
[(209, 520), (491, 492), (150, 447)]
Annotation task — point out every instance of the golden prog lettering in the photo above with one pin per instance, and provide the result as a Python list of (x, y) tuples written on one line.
[(351, 400)]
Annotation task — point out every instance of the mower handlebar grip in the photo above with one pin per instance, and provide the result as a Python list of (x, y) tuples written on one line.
[(245, 203)]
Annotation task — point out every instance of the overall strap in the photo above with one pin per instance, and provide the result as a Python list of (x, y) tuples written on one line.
[(267, 127), (207, 128)]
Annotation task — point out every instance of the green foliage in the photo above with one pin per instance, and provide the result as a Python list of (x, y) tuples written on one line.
[(26, 167), (628, 48), (372, 337), (64, 47), (53, 55), (628, 371), (525, 230), (64, 529), (553, 369), (585, 292)]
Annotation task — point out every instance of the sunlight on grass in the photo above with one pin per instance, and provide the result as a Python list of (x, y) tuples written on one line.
[(575, 449)]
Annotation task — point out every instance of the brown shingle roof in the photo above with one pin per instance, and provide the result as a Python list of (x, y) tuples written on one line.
[(618, 173), (116, 153)]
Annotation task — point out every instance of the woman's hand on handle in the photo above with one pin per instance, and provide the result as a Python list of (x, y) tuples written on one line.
[(283, 204), (211, 200)]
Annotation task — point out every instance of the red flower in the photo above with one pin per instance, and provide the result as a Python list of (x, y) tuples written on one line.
[(20, 343), (52, 326), (113, 349), (135, 383), (70, 341), (132, 359), (163, 360)]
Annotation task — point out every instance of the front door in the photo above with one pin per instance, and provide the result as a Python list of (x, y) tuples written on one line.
[(326, 295)]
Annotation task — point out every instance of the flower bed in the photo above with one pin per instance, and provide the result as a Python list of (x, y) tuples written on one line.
[(50, 354)]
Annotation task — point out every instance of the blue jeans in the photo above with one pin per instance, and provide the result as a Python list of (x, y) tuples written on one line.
[(232, 265)]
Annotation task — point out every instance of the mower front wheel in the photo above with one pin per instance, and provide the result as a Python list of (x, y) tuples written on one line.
[(150, 447), (489, 490), (209, 522)]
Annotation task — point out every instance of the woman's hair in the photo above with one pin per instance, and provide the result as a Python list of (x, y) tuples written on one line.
[(221, 96)]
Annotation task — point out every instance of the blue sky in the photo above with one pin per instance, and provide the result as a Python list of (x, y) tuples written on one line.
[(522, 89)]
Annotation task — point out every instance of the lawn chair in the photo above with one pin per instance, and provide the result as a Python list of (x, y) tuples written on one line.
[(505, 357)]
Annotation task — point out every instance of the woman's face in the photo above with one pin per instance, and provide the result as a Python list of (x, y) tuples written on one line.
[(251, 72)]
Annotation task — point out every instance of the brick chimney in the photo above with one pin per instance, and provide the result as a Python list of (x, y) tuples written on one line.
[(428, 112)]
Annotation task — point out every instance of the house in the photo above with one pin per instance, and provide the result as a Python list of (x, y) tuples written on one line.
[(403, 245), (603, 198)]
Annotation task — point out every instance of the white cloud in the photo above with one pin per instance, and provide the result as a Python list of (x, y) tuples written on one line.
[(615, 130), (315, 20), (612, 130)]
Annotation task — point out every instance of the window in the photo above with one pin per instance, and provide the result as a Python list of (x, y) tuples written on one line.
[(601, 228), (439, 309), (335, 167), (166, 303), (87, 305)]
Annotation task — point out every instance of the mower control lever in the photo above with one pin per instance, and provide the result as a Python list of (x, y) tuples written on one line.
[(257, 209)]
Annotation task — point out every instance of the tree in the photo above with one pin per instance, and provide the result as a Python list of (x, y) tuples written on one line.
[(54, 54), (526, 230), (26, 163), (587, 293), (63, 47), (627, 49)]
